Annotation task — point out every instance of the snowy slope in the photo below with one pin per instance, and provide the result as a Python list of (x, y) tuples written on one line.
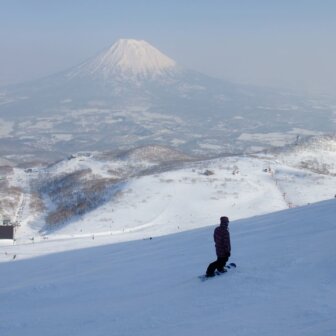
[(127, 58), (143, 197), (318, 155), (284, 283)]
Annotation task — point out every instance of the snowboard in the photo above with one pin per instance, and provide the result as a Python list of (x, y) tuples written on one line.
[(226, 268)]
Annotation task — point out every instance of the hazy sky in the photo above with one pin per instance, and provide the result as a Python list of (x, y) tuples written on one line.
[(288, 43)]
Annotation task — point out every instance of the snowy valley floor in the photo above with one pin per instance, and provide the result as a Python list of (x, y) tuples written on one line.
[(284, 283)]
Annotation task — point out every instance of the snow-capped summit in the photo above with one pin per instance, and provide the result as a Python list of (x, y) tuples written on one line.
[(127, 58)]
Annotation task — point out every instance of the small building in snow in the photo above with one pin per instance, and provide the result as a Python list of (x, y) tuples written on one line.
[(6, 228)]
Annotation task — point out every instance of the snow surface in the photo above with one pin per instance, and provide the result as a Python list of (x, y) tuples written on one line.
[(149, 201), (128, 57), (6, 127), (130, 266), (284, 283)]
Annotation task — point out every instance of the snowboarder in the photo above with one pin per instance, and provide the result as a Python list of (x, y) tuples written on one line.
[(223, 247)]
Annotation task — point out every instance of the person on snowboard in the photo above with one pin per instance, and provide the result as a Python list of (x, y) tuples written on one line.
[(223, 247)]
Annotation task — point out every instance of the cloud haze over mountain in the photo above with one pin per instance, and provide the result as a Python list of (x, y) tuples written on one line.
[(131, 94), (287, 44)]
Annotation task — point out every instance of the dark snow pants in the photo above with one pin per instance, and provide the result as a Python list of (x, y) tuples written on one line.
[(218, 264)]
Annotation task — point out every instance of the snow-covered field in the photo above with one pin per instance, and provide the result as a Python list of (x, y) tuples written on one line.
[(148, 201), (130, 265), (284, 283)]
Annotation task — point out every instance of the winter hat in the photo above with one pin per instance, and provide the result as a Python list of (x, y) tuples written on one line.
[(224, 220)]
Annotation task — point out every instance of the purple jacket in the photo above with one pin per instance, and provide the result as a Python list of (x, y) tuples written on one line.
[(222, 240)]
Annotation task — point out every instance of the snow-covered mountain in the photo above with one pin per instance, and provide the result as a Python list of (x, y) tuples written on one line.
[(111, 239), (155, 190), (132, 95), (127, 59), (317, 154)]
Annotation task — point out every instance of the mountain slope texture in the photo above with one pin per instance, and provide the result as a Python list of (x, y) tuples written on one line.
[(284, 283), (131, 94), (130, 58)]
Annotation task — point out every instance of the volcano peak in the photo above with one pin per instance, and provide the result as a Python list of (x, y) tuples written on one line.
[(129, 58)]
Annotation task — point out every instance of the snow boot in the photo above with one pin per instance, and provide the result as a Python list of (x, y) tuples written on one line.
[(210, 275)]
